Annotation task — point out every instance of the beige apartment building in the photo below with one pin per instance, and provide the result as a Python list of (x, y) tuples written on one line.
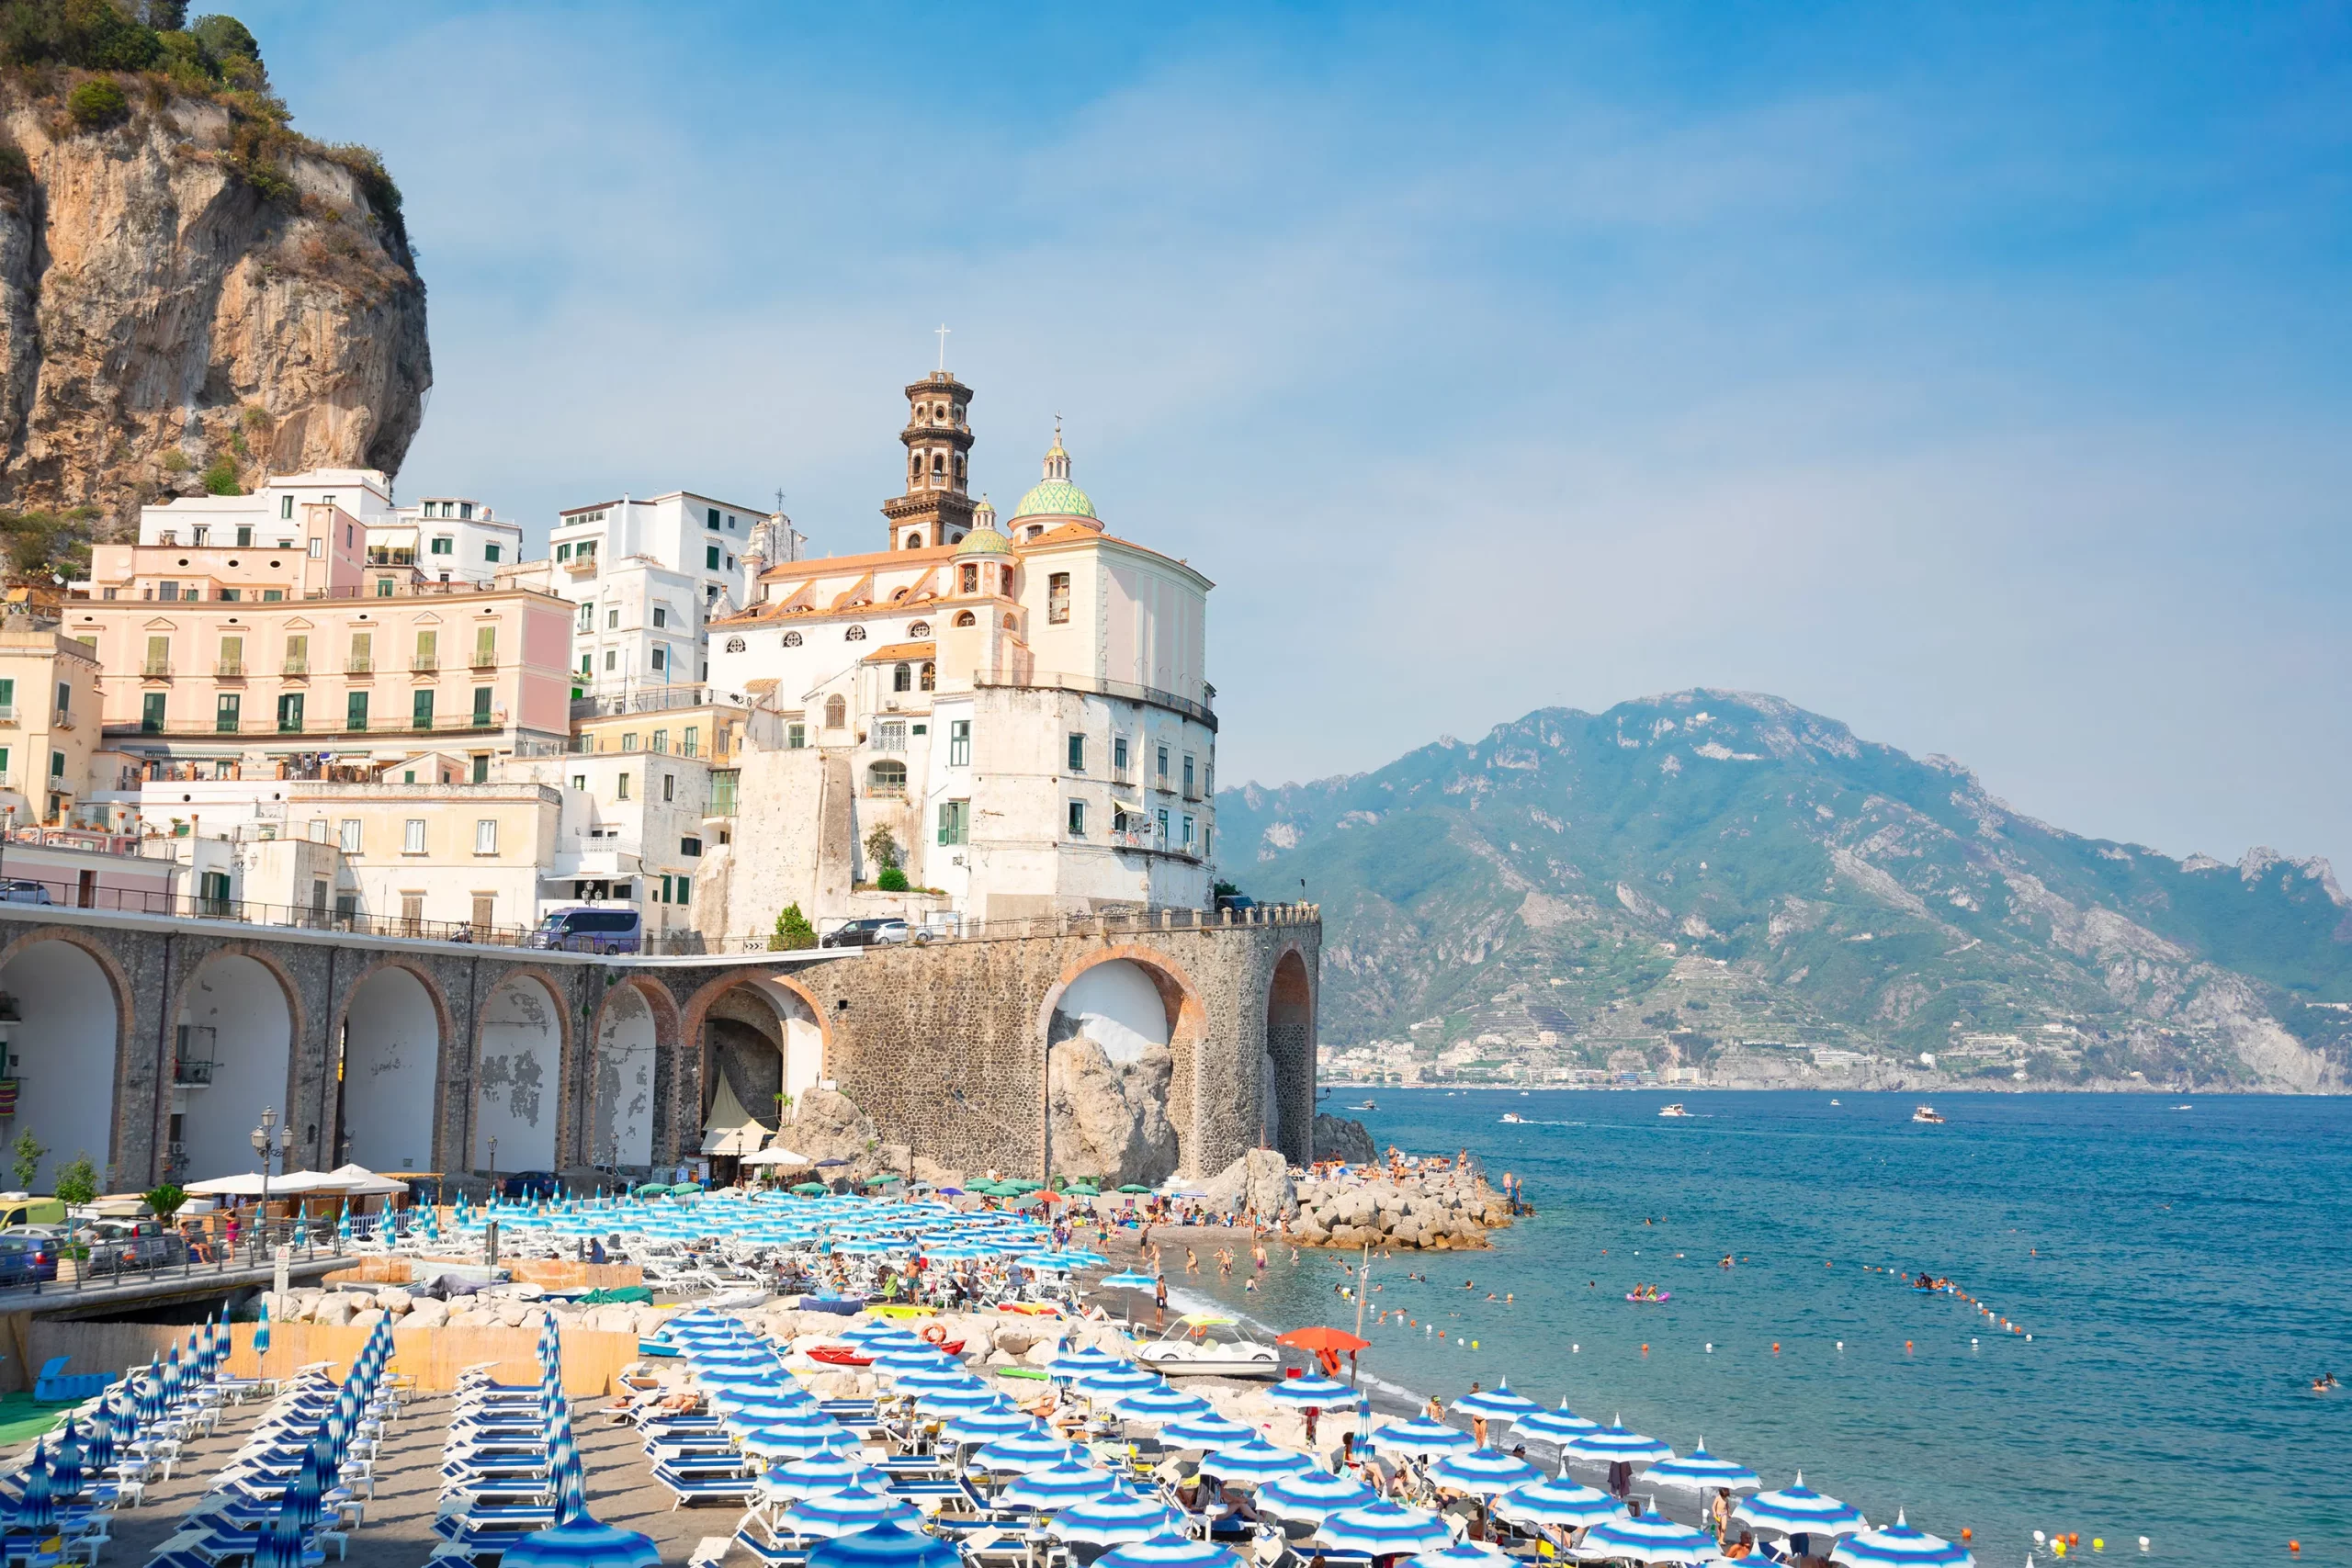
[(49, 721)]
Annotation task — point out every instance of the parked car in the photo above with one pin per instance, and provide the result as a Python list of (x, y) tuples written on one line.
[(25, 1260), (128, 1244), (528, 1184), (592, 929), (875, 930), (24, 890), (23, 1209)]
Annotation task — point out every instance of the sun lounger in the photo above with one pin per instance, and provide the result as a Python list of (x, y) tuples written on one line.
[(704, 1488)]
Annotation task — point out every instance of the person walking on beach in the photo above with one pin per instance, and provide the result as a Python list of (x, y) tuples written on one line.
[(1192, 1261), (1312, 1414), (1159, 1301), (1719, 1512)]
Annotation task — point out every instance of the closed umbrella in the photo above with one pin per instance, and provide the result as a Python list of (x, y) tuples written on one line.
[(1900, 1546), (1798, 1510), (1383, 1530), (885, 1545), (98, 1455), (1171, 1551), (1703, 1472), (1056, 1488), (1568, 1504), (36, 1512), (1312, 1494), (1482, 1472), (1497, 1404), (65, 1470), (281, 1544), (1117, 1518), (1420, 1437), (846, 1512), (1649, 1539), (1253, 1459)]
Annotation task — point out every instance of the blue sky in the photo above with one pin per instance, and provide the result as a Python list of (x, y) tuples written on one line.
[(1977, 376)]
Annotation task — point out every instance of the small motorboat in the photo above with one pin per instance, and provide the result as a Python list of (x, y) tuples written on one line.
[(1650, 1300), (1926, 1113), (1514, 1118), (2184, 1107), (1203, 1344), (1673, 1110), (1837, 1103), (1365, 1105)]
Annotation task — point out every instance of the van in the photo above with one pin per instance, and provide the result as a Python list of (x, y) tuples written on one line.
[(23, 1209), (601, 929)]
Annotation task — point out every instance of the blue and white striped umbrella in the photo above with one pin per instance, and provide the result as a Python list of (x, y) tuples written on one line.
[(1313, 1393), (1650, 1539), (1420, 1437), (1162, 1403), (260, 1329), (1613, 1444), (821, 1473), (1497, 1404), (1462, 1555), (1312, 1494), (1076, 1363), (1171, 1551), (795, 1441), (1703, 1472), (913, 1359), (1116, 1383), (1799, 1511), (1023, 1452), (1384, 1529), (1114, 1518), (1202, 1431), (1253, 1459), (954, 1401), (1127, 1279), (845, 1513), (948, 1376), (1056, 1488), (1482, 1472), (1900, 1546), (583, 1543), (1568, 1504), (1554, 1426), (884, 1546), (999, 1420)]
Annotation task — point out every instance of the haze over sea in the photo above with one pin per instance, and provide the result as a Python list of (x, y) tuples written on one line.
[(2183, 1275)]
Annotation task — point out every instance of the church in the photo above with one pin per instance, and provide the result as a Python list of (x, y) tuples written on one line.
[(1014, 719)]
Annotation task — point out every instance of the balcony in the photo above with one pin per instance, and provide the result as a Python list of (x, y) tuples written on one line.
[(7, 713), (382, 555), (581, 564), (485, 658), (424, 663), (295, 667), (156, 669), (230, 669), (192, 1075), (360, 664)]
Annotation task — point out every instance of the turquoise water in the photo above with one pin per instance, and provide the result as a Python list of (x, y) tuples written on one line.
[(2183, 1274)]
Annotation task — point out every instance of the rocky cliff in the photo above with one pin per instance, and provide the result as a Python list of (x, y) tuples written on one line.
[(191, 295)]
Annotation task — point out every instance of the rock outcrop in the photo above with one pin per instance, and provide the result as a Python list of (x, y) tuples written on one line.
[(1342, 1138), (170, 305), (1424, 1209), (1110, 1119), (828, 1124), (1259, 1185)]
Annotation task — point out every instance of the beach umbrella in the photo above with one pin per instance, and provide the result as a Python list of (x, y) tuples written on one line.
[(1022, 1452), (946, 1375), (1419, 1437), (1313, 1394), (1116, 1517), (954, 1401), (1900, 1546), (1798, 1510), (1568, 1504), (1497, 1404), (36, 1511), (1554, 1426), (1613, 1444), (1202, 1431), (281, 1543), (583, 1543), (1482, 1472), (98, 1455), (65, 1470), (1076, 1363), (1127, 1279), (885, 1545), (1461, 1554), (915, 1358), (1119, 1380), (821, 1473), (846, 1512), (1383, 1530), (986, 1426), (798, 1441), (1171, 1551), (1703, 1472), (1162, 1403), (570, 1483), (1253, 1459), (1650, 1539), (1056, 1488), (1312, 1494)]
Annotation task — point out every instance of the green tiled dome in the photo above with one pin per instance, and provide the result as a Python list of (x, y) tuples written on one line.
[(984, 541), (1055, 498)]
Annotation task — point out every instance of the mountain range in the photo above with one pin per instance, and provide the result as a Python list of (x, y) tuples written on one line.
[(1721, 880)]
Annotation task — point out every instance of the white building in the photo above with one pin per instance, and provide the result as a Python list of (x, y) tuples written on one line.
[(450, 538), (646, 576)]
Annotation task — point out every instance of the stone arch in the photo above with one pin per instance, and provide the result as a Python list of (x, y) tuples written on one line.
[(522, 1043), (393, 1028), (1286, 1097), (1102, 1010), (634, 1032), (784, 1013), (233, 1027), (74, 1021)]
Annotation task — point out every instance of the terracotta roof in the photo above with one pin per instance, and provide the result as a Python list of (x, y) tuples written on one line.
[(826, 565), (903, 650)]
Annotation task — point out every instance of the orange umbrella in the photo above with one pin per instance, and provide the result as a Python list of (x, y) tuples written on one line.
[(1327, 1344)]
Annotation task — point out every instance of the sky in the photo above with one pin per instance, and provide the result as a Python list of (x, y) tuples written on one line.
[(1981, 376)]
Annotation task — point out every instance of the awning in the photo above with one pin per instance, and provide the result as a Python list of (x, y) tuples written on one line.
[(729, 1130), (358, 1180), (248, 1184), (778, 1156)]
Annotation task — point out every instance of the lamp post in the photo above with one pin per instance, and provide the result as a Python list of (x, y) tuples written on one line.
[(270, 1139), (493, 1167)]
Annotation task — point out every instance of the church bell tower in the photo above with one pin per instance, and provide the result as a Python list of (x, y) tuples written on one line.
[(938, 506)]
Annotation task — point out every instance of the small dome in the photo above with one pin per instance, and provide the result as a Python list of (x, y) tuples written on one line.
[(1054, 498), (984, 541)]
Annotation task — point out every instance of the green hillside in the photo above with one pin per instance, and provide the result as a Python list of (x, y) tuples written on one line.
[(1723, 880)]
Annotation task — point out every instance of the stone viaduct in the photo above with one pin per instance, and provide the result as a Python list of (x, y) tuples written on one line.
[(152, 1043)]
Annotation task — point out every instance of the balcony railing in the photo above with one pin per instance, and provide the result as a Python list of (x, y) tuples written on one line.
[(192, 1075), (156, 669), (295, 667), (439, 724), (360, 664), (229, 669), (7, 713), (485, 658), (424, 662), (1049, 680), (383, 557)]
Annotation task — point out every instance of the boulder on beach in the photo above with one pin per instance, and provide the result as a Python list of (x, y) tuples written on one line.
[(1342, 1138), (1109, 1118), (1258, 1184)]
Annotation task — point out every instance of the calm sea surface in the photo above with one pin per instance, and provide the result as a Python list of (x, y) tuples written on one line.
[(2183, 1275)]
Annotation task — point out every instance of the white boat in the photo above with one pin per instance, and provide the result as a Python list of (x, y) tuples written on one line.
[(2184, 1107), (1513, 1117), (1366, 1105), (1834, 1102), (1674, 1110), (1926, 1113), (1200, 1345)]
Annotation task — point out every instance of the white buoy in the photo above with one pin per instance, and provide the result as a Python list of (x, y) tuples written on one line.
[(1711, 1347), (2144, 1543), (1841, 1344), (2037, 1537), (1574, 1348)]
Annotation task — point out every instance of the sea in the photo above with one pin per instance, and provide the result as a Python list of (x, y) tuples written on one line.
[(2177, 1272)]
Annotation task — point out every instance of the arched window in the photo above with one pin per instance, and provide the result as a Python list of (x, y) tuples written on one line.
[(887, 779), (918, 628), (734, 645), (1010, 623), (792, 640), (902, 678), (836, 713), (914, 541), (930, 676), (855, 634), (965, 619)]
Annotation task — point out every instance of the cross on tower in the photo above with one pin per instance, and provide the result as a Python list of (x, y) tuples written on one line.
[(942, 329)]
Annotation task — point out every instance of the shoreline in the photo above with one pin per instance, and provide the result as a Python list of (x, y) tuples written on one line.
[(1954, 1086)]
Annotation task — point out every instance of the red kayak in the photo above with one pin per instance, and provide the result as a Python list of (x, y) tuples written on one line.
[(845, 1356)]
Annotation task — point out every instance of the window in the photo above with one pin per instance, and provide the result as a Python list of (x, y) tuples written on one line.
[(660, 615), (587, 665), (428, 651), (482, 705), (796, 737), (620, 787), (563, 552), (580, 781), (1077, 753), (362, 653), (965, 618), (1163, 767), (64, 699), (734, 645), (587, 617), (661, 656), (611, 656), (887, 779), (383, 588), (231, 595), (836, 712), (959, 743), (485, 910), (612, 618), (346, 835), (855, 634), (1188, 835), (285, 507), (444, 545), (481, 767), (318, 550), (929, 681), (1057, 598), (955, 821), (971, 579), (298, 654), (490, 553), (890, 735), (692, 740), (1118, 754), (1078, 820), (918, 628), (486, 835), (669, 787), (1188, 775), (691, 849), (289, 712), (660, 744), (792, 640), (224, 713), (421, 709), (202, 535), (485, 646), (169, 593), (710, 519), (413, 835), (355, 710), (711, 557), (628, 742), (1161, 822), (151, 712), (8, 694)]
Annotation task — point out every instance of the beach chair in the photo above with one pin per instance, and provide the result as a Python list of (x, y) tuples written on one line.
[(704, 1488), (709, 1552), (775, 1556)]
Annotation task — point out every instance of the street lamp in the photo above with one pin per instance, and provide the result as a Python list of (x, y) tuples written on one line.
[(493, 1166), (268, 1139)]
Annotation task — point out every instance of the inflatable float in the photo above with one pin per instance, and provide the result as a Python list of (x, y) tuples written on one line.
[(1650, 1300)]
